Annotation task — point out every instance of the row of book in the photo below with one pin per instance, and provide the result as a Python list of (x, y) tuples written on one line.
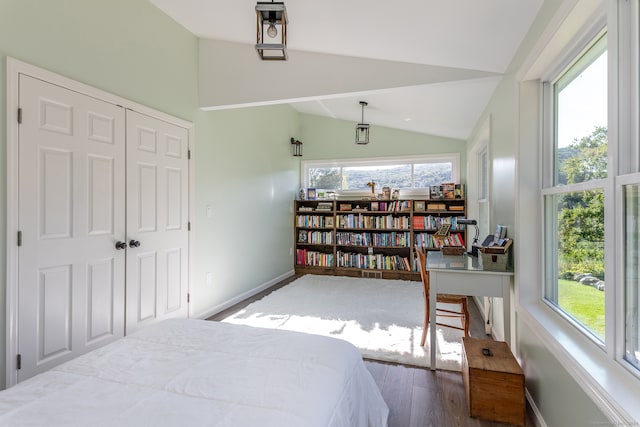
[(432, 241), (402, 239), (317, 221), (373, 261), (430, 222), (398, 206), (373, 222), (314, 258), (315, 237)]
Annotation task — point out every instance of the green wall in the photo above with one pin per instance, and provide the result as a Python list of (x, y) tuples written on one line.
[(246, 173)]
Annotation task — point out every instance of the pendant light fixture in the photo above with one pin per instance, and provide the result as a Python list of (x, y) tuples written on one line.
[(362, 128), (271, 41)]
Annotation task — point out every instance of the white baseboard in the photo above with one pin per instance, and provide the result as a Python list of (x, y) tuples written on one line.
[(221, 307), (537, 415)]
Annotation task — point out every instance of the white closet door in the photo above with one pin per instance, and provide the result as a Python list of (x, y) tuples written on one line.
[(71, 213), (157, 209)]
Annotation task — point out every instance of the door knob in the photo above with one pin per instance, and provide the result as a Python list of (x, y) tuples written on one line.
[(134, 243), (121, 245)]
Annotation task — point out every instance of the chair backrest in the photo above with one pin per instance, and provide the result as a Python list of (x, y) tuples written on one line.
[(422, 266)]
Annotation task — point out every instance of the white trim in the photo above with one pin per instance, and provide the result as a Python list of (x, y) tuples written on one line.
[(11, 314), (14, 69), (580, 186), (246, 295), (534, 408)]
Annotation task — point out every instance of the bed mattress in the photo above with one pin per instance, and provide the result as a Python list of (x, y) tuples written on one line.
[(199, 373)]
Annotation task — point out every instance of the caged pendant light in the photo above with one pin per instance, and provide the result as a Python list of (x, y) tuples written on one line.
[(362, 129), (271, 40)]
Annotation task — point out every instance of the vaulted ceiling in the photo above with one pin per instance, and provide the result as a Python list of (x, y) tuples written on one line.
[(482, 36)]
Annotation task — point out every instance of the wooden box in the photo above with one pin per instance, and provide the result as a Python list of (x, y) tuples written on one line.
[(494, 384)]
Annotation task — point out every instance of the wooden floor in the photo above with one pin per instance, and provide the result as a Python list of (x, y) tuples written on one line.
[(417, 397)]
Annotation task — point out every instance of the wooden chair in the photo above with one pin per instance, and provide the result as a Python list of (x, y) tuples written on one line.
[(461, 300)]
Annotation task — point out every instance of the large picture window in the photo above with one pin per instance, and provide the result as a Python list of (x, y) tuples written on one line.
[(574, 196), (408, 174)]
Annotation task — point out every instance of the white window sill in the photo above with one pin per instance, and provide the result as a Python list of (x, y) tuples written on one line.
[(612, 387)]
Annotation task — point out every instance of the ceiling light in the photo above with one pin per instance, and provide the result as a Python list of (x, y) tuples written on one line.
[(362, 129), (272, 22)]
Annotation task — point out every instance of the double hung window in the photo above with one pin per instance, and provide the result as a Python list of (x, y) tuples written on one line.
[(574, 190)]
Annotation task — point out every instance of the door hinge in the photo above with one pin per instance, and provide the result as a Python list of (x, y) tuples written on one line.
[(188, 298), (189, 226), (188, 154), (19, 361), (19, 238), (19, 115)]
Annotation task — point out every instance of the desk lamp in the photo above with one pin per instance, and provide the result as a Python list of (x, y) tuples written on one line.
[(474, 245)]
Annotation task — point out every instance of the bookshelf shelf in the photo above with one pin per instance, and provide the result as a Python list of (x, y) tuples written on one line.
[(364, 237)]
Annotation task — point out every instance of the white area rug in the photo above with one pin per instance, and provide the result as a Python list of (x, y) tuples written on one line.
[(383, 318)]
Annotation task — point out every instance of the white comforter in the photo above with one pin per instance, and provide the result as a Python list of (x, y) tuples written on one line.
[(201, 373)]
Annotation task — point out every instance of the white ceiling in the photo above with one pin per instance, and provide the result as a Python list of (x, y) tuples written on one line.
[(469, 34)]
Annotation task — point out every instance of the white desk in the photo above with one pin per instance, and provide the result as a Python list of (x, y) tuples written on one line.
[(463, 275)]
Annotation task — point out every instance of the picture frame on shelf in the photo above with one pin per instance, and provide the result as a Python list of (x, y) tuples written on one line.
[(448, 190), (419, 205), (375, 206), (345, 207), (435, 192), (386, 193), (311, 193), (328, 222)]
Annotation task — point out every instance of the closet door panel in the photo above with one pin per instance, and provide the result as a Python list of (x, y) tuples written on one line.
[(71, 213), (157, 202)]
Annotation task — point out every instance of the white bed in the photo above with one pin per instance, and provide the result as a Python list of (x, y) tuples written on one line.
[(197, 373)]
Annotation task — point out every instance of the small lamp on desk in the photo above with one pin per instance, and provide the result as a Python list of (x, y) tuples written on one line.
[(474, 245)]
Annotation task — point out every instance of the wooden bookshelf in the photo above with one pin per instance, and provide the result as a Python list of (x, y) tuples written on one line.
[(359, 237)]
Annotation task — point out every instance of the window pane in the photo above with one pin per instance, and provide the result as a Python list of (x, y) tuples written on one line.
[(427, 174), (395, 176), (575, 256), (325, 178), (581, 119), (631, 273)]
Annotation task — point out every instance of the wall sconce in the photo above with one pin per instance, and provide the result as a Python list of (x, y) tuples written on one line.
[(296, 147), (474, 245), (272, 22), (362, 129)]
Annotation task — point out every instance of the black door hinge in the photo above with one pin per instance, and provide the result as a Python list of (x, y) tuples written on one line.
[(188, 154), (19, 115), (188, 298), (19, 238), (19, 361)]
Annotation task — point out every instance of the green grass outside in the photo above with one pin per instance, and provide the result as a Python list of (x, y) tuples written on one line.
[(583, 302)]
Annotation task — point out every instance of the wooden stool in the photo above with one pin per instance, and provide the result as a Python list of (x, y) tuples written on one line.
[(493, 381)]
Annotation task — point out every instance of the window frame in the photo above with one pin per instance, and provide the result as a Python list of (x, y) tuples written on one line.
[(453, 158), (623, 152), (550, 188)]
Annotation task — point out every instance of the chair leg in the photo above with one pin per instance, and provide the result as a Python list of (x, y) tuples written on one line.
[(425, 327), (465, 308)]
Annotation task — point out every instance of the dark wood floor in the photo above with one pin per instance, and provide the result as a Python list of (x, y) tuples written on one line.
[(417, 397)]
